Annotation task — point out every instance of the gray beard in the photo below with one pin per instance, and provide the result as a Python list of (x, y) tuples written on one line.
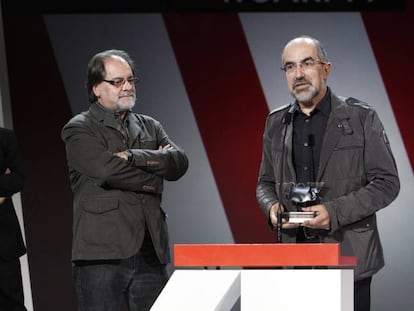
[(126, 106), (305, 96)]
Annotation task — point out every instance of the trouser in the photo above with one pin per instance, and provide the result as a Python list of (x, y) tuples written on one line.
[(11, 287), (103, 285), (362, 295)]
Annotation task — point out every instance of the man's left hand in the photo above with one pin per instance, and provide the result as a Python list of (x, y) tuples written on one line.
[(321, 220)]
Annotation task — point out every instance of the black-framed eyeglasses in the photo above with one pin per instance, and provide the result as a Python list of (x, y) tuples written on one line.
[(119, 82), (306, 64)]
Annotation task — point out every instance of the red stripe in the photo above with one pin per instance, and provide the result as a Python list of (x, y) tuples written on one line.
[(392, 41), (230, 110), (260, 255)]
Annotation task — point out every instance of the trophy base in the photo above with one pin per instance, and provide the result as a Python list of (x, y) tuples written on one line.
[(298, 217)]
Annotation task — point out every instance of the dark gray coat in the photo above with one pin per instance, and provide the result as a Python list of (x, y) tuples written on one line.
[(358, 172), (114, 199), (11, 240)]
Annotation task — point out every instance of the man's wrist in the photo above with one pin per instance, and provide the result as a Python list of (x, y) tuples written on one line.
[(130, 155)]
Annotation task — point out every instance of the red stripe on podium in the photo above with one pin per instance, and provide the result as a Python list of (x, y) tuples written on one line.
[(260, 255)]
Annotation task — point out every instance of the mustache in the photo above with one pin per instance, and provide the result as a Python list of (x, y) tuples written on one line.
[(126, 94), (301, 81)]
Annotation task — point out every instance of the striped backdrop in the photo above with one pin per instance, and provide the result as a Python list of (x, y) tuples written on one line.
[(210, 79)]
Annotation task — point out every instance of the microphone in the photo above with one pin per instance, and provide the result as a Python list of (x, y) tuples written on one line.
[(287, 119), (279, 224)]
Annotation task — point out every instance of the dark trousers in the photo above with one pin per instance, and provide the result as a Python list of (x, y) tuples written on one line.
[(362, 295), (103, 285), (11, 287)]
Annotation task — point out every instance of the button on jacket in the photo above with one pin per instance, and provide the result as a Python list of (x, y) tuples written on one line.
[(116, 200), (358, 173)]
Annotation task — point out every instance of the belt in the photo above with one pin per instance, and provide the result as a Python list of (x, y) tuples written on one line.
[(307, 235)]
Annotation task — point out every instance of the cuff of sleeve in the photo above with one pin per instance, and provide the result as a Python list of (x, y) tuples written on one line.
[(130, 155)]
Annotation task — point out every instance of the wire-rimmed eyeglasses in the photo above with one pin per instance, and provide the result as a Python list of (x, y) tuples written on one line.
[(118, 82), (306, 64)]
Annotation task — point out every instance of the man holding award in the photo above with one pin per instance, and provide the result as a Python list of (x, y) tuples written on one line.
[(327, 166)]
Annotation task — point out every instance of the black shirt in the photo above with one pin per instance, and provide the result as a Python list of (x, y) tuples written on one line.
[(308, 133)]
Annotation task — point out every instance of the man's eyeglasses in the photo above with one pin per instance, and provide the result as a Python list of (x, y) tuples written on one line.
[(118, 82), (304, 65)]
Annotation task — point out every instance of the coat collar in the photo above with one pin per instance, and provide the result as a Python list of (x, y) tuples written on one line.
[(110, 119)]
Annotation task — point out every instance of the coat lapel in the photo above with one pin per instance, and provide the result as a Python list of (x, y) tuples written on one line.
[(135, 129), (105, 116), (333, 132)]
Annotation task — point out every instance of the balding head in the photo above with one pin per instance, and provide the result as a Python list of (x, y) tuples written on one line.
[(307, 69), (320, 51)]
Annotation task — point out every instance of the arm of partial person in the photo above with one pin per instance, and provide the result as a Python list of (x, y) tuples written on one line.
[(12, 180)]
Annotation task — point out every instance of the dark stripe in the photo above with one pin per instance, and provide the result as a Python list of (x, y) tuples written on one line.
[(40, 109), (391, 38)]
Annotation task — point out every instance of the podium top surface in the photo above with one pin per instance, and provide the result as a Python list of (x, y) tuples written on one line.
[(260, 255)]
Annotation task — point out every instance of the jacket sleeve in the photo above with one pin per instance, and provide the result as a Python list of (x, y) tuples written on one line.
[(88, 157), (168, 164), (266, 186), (13, 182), (379, 181)]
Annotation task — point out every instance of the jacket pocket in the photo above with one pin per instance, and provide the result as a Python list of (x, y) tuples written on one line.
[(102, 229), (100, 205), (346, 161), (363, 225), (365, 244)]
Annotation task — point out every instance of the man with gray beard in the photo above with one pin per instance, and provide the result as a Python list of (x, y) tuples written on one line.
[(336, 148), (118, 161)]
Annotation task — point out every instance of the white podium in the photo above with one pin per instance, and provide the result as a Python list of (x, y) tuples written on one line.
[(286, 277)]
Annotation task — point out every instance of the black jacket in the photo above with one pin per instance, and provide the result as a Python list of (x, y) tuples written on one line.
[(358, 173), (116, 200), (11, 241)]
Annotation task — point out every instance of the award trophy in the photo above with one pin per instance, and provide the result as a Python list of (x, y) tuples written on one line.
[(302, 195)]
